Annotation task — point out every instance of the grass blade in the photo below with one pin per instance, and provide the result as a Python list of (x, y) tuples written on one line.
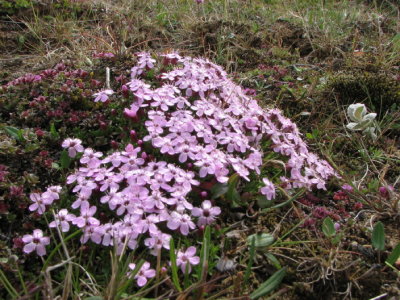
[(251, 259), (174, 268), (8, 286), (269, 285), (394, 256)]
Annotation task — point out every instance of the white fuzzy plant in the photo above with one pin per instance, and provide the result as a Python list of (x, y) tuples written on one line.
[(361, 120)]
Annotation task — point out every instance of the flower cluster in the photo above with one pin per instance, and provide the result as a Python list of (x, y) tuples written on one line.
[(194, 115), (40, 201), (141, 195), (199, 115)]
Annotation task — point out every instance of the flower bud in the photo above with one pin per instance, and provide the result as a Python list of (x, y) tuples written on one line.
[(132, 135), (103, 125), (114, 144), (337, 226), (125, 91), (385, 191), (144, 155)]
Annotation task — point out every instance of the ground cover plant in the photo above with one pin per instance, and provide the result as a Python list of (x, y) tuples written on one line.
[(250, 154)]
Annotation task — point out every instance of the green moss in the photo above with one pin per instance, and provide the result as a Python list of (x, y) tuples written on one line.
[(380, 92)]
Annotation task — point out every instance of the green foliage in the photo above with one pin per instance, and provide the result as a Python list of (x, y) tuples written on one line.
[(328, 228), (174, 268), (65, 160), (251, 258), (12, 6), (269, 285), (380, 92), (15, 133), (261, 240), (394, 256), (378, 236)]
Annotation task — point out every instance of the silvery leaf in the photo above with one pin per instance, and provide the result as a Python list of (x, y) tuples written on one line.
[(370, 116), (371, 132), (354, 126), (356, 112)]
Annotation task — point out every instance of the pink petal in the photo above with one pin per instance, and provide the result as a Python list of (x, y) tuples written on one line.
[(141, 281), (194, 260), (206, 204), (215, 211), (29, 248), (185, 229), (27, 238), (71, 152), (40, 250), (191, 251), (45, 240), (197, 212), (172, 224), (150, 273)]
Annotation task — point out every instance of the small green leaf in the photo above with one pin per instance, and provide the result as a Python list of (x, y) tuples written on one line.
[(251, 259), (328, 228), (232, 194), (205, 254), (273, 260), (261, 240), (394, 256), (53, 131), (15, 133), (218, 190), (55, 166), (269, 285), (378, 236), (65, 160), (94, 298)]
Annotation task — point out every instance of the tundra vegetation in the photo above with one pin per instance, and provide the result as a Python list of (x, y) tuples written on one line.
[(185, 149)]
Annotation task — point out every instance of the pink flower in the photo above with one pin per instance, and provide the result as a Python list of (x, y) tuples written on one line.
[(348, 188), (73, 146), (206, 213), (86, 218), (187, 258), (36, 241), (62, 220), (144, 273), (39, 203), (157, 241), (91, 158), (102, 96), (181, 221), (268, 190), (132, 111), (52, 193)]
